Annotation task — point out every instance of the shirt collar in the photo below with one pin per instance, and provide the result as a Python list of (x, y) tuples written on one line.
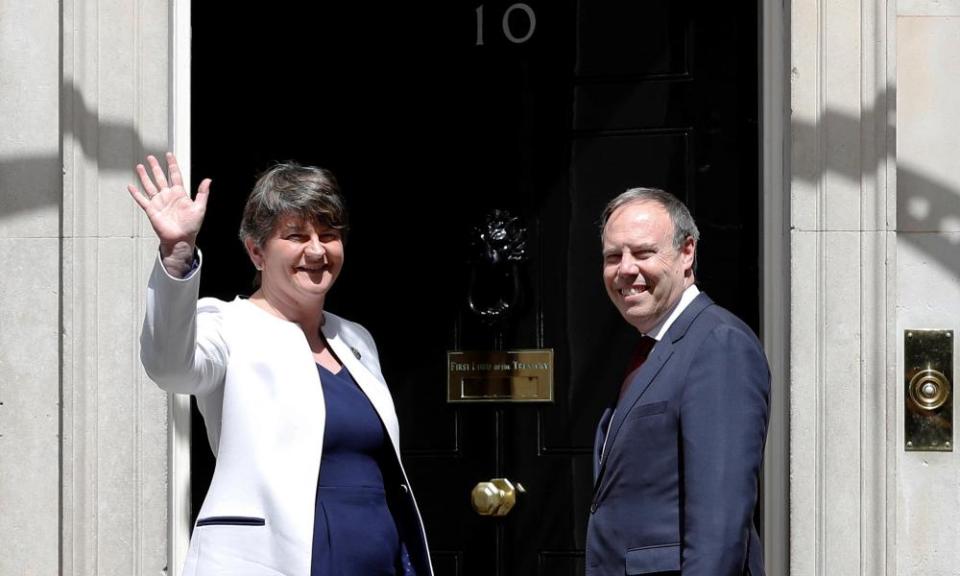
[(660, 329)]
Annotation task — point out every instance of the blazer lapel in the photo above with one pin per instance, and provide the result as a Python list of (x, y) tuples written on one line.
[(375, 390), (642, 379), (646, 374)]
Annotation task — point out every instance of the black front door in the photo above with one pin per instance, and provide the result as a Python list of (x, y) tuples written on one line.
[(433, 114)]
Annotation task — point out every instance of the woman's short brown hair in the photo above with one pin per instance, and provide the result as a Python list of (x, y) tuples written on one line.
[(289, 189)]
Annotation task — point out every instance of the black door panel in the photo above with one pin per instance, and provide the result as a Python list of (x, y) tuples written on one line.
[(431, 114)]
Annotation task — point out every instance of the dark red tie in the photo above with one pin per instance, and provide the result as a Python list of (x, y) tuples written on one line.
[(639, 357)]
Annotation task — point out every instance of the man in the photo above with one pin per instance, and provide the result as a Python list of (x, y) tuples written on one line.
[(677, 459)]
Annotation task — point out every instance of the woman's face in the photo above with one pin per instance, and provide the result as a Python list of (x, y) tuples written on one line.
[(300, 261)]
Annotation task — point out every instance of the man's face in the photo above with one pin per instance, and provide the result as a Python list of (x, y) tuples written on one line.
[(643, 273)]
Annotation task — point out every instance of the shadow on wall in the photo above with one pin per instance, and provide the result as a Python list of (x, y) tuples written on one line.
[(925, 206), (32, 183)]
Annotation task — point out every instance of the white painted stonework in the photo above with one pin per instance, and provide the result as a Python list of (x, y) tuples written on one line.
[(875, 249), (83, 434), (114, 94), (842, 288), (29, 288), (928, 268)]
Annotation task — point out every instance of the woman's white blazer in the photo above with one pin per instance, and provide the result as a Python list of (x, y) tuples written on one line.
[(258, 388)]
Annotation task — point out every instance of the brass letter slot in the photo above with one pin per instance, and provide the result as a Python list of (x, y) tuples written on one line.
[(928, 392)]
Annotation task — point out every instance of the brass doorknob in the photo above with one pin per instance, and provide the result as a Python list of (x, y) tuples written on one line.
[(496, 497)]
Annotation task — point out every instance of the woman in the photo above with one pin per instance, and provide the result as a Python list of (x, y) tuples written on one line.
[(308, 479)]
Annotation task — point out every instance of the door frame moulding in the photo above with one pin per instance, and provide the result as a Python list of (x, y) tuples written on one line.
[(179, 486), (775, 280)]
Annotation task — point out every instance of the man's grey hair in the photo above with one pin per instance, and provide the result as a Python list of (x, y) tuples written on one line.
[(683, 225)]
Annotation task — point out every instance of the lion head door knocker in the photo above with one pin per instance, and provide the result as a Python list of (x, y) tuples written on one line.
[(495, 297), (498, 247)]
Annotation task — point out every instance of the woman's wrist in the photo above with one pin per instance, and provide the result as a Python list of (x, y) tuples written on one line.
[(178, 259)]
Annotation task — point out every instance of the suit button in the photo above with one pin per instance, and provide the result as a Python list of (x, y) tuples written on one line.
[(404, 488), (593, 507)]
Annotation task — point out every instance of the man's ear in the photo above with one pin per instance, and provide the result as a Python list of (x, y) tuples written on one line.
[(689, 253)]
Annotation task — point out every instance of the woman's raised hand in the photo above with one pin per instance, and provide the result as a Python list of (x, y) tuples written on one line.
[(175, 217)]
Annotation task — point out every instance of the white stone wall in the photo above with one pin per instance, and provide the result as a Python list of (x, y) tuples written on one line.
[(875, 250), (83, 434), (114, 108), (842, 276), (30, 188), (928, 264)]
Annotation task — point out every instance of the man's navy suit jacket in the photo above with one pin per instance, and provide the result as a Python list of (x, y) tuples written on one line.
[(676, 483)]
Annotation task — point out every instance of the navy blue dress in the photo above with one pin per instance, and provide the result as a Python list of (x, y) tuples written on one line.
[(354, 530)]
